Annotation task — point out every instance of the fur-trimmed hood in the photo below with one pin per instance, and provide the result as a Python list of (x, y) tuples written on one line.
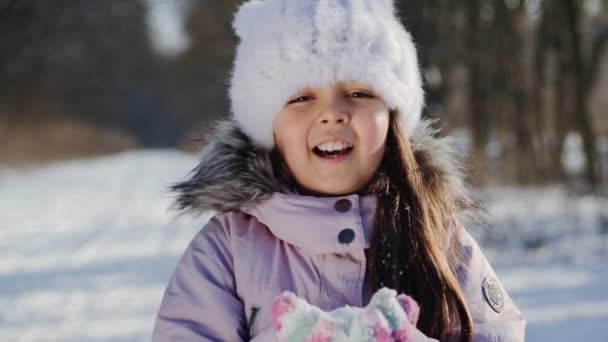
[(235, 174)]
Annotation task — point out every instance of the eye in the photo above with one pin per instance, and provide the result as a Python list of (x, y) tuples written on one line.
[(300, 99), (360, 94)]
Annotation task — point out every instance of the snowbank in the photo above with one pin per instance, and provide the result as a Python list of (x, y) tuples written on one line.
[(86, 249)]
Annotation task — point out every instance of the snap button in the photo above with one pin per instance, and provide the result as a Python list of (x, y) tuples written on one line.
[(493, 294), (343, 205), (346, 236)]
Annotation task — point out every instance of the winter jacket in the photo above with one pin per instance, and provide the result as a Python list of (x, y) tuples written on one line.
[(266, 240)]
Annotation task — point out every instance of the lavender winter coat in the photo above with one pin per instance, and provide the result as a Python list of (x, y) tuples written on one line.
[(266, 240)]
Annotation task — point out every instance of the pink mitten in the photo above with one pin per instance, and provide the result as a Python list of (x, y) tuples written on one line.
[(412, 310), (295, 320), (387, 317)]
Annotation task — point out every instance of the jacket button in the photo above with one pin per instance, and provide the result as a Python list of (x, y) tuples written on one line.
[(346, 236), (343, 205)]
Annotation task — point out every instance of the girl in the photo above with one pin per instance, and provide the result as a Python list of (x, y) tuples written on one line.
[(328, 184)]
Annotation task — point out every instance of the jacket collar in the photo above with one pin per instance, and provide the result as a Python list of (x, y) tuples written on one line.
[(316, 223), (235, 174)]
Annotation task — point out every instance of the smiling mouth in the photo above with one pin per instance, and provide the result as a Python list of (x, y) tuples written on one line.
[(335, 151)]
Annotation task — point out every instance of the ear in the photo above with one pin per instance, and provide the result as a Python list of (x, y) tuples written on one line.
[(247, 17)]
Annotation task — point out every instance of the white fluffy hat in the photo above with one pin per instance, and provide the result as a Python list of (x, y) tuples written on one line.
[(287, 45)]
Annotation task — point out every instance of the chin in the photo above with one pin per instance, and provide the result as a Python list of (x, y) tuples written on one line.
[(335, 190)]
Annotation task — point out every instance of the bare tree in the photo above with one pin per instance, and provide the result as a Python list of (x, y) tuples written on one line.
[(581, 84), (511, 68), (478, 86)]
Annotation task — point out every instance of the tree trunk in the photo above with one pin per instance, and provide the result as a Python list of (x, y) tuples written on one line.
[(583, 118), (477, 92), (511, 66), (550, 60)]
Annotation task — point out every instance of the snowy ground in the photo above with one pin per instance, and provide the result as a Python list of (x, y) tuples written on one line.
[(86, 249)]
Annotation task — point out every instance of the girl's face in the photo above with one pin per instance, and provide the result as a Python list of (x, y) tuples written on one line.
[(333, 137)]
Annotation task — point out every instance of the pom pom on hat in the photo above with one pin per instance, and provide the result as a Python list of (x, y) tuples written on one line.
[(287, 45)]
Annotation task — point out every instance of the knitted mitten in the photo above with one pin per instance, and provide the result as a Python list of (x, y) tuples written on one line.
[(387, 317)]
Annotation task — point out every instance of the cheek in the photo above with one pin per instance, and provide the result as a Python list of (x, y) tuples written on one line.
[(290, 138), (373, 131)]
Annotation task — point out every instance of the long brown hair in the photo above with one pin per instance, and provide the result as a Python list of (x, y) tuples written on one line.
[(411, 250)]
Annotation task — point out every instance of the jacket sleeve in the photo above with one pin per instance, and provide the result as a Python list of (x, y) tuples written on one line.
[(200, 303), (495, 316)]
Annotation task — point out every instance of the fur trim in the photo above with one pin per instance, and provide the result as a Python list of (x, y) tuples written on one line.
[(234, 173), (287, 45), (438, 156)]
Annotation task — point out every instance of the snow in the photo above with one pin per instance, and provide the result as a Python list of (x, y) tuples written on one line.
[(549, 248), (166, 23), (87, 247)]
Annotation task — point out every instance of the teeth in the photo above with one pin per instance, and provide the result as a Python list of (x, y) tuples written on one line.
[(334, 146)]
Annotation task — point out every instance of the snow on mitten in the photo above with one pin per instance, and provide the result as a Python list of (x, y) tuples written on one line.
[(296, 320), (387, 317)]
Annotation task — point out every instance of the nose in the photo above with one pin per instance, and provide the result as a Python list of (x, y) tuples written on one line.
[(335, 113)]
